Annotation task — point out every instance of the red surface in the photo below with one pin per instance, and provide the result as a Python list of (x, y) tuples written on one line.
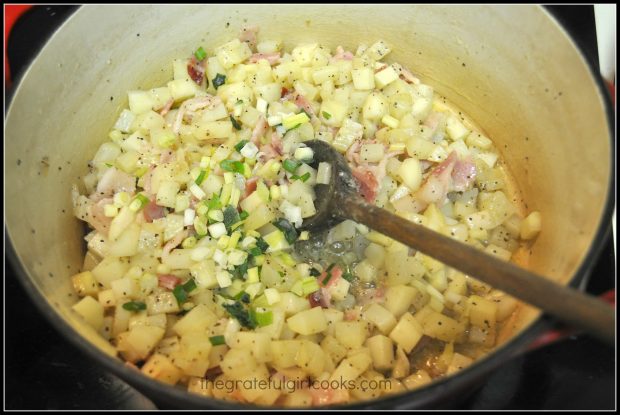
[(12, 12)]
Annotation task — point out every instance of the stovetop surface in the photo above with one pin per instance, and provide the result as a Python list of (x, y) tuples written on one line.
[(44, 371)]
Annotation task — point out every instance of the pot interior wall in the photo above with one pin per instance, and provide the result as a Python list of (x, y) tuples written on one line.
[(511, 69)]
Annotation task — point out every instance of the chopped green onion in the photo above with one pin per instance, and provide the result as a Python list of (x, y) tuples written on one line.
[(215, 203), (219, 80), (237, 126), (189, 286), (189, 242), (238, 311), (295, 121), (262, 245), (314, 272), (134, 306), (180, 294), (139, 202), (262, 319), (256, 251), (243, 297), (243, 215), (327, 278), (200, 53), (231, 216), (304, 177), (232, 165), (108, 164), (289, 231), (240, 144), (347, 276), (201, 177), (291, 165), (326, 115), (217, 340)]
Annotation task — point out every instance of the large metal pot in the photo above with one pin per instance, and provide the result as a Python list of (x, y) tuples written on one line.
[(511, 68)]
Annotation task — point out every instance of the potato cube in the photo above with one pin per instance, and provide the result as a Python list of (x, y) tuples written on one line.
[(85, 284), (199, 319), (308, 322), (91, 311), (379, 316), (442, 327), (259, 345), (160, 367), (399, 298), (351, 334), (284, 352), (407, 332), (381, 351), (531, 225)]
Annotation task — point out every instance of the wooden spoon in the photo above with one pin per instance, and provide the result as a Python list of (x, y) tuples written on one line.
[(340, 200)]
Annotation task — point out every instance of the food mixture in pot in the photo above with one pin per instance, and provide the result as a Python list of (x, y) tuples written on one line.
[(197, 272)]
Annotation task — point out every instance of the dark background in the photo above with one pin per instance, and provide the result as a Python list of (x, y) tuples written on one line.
[(44, 371)]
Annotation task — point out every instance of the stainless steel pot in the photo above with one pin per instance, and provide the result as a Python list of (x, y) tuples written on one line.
[(511, 68)]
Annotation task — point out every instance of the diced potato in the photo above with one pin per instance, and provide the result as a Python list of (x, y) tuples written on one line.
[(407, 333), (127, 242), (351, 334), (91, 311), (442, 327), (380, 317), (143, 339), (199, 319), (375, 107), (238, 362), (308, 321), (363, 78), (399, 298), (284, 352), (261, 216), (482, 312), (458, 362), (126, 288), (310, 358), (417, 379), (182, 89), (159, 367), (167, 193), (164, 302), (351, 367), (193, 355), (531, 225), (333, 348), (108, 270), (381, 351), (85, 284), (455, 129), (259, 345)]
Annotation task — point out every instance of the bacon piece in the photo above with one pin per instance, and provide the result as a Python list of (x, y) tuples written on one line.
[(273, 57), (304, 104), (196, 70), (342, 55), (367, 181), (335, 272), (114, 181), (166, 107), (250, 187), (328, 396), (259, 130), (452, 174), (173, 243), (190, 107), (248, 35), (168, 281), (408, 77), (320, 298), (167, 156), (153, 211), (96, 217), (463, 175)]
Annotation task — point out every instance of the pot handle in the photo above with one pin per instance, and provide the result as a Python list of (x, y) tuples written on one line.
[(11, 14), (558, 332)]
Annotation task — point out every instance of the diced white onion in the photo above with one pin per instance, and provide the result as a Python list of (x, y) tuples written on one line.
[(125, 120), (249, 150), (188, 217), (217, 229), (324, 173)]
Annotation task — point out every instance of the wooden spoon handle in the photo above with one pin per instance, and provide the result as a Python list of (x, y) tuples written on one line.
[(565, 303)]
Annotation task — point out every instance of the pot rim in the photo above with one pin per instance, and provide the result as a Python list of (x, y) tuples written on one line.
[(417, 398)]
